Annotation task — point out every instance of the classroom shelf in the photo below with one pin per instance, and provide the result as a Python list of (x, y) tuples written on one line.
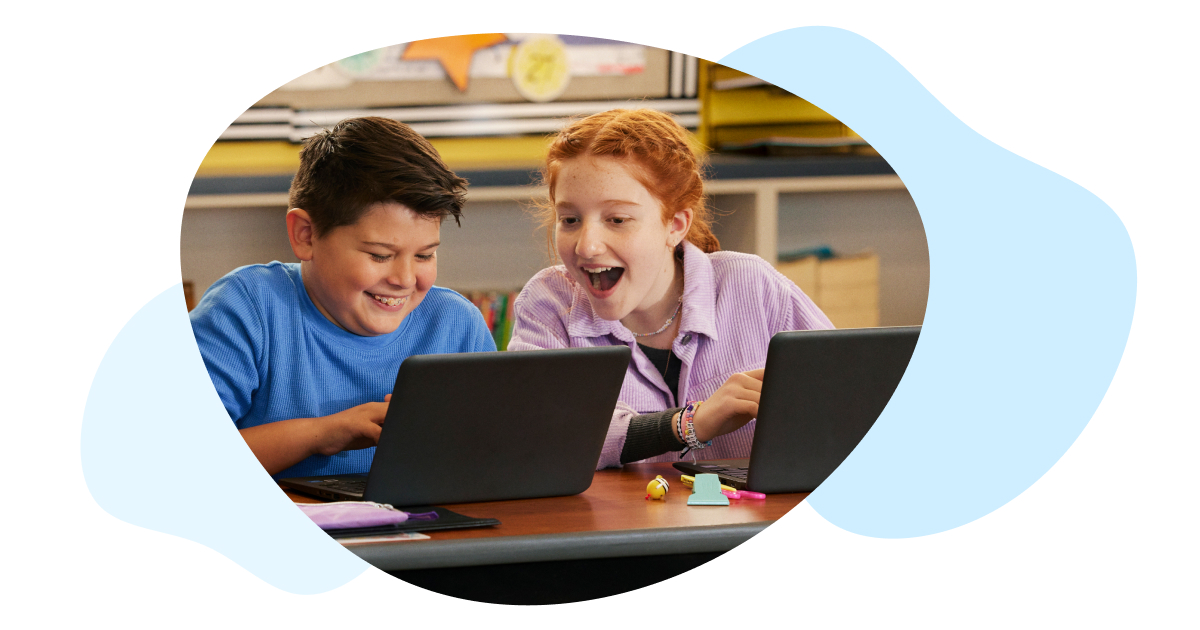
[(759, 201), (744, 190)]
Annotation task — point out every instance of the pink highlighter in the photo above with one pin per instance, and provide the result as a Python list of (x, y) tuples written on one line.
[(728, 491), (743, 494)]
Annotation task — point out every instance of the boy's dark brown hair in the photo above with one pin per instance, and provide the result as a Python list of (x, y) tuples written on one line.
[(361, 161)]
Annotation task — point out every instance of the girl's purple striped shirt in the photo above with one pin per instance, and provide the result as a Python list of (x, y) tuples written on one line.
[(732, 305)]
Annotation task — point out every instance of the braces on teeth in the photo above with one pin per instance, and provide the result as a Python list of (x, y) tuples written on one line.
[(390, 301)]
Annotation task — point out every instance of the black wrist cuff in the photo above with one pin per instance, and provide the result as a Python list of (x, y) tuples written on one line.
[(649, 435)]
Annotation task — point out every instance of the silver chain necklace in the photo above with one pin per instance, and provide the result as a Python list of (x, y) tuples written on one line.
[(664, 326)]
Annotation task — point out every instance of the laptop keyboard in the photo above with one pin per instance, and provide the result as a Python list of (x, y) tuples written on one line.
[(736, 472), (348, 486)]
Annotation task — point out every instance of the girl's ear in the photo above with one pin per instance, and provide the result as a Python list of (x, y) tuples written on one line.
[(678, 226), (300, 233)]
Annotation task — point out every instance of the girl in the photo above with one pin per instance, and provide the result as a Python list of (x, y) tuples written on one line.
[(641, 267)]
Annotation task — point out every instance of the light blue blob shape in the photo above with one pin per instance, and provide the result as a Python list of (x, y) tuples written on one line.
[(159, 451), (1032, 285), (1031, 295)]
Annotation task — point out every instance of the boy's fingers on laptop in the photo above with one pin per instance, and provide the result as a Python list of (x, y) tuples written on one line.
[(377, 411), (366, 441), (355, 428)]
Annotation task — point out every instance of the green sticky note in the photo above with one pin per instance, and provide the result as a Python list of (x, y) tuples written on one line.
[(706, 490)]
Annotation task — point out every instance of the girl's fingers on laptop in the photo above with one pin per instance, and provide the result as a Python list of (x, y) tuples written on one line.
[(729, 408)]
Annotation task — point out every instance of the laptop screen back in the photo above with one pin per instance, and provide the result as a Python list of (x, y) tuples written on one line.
[(499, 425), (822, 392)]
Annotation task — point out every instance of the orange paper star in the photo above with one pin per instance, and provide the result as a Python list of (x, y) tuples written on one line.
[(454, 53)]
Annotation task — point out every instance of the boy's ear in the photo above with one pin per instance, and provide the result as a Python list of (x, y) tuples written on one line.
[(300, 233)]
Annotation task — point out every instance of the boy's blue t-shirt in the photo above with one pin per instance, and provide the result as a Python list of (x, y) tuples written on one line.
[(273, 356)]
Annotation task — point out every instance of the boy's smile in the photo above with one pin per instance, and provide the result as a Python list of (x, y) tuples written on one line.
[(367, 277)]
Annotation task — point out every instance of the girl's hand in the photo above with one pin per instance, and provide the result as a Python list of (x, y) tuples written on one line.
[(730, 407), (355, 428)]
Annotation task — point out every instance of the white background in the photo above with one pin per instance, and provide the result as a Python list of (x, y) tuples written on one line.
[(110, 109)]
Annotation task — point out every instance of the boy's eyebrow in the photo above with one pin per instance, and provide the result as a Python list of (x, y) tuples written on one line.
[(389, 245)]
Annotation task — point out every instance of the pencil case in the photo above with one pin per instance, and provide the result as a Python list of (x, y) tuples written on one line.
[(355, 514)]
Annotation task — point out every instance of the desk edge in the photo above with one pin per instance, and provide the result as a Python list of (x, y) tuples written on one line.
[(550, 547)]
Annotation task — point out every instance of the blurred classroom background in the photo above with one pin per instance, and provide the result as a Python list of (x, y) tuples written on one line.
[(791, 183)]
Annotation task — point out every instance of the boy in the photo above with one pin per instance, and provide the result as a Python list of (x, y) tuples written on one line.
[(304, 355)]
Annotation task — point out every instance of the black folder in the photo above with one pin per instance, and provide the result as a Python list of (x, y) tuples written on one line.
[(445, 520)]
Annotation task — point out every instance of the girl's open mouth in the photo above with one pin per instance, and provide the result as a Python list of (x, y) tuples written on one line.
[(604, 278)]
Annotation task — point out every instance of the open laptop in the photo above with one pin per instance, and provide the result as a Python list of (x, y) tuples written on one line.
[(822, 391), (487, 426)]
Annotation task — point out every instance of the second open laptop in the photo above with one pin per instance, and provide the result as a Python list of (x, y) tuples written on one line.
[(822, 391), (488, 426)]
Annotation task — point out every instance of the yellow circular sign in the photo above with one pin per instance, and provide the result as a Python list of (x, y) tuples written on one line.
[(539, 68)]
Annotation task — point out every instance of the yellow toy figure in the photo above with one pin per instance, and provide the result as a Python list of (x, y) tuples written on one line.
[(657, 489)]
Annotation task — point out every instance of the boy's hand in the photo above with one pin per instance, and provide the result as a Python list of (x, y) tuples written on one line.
[(280, 445), (355, 428), (730, 407)]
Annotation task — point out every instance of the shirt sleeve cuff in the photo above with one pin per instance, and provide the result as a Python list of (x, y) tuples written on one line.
[(650, 435)]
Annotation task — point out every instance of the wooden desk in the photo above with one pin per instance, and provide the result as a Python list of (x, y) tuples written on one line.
[(610, 520)]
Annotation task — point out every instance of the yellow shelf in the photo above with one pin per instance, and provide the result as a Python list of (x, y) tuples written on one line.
[(250, 158), (760, 105), (484, 153), (723, 136), (278, 157), (750, 109)]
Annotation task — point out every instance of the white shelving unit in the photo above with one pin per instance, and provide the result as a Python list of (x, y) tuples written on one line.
[(499, 246), (752, 222)]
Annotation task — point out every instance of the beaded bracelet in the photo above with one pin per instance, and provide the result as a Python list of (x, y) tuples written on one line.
[(688, 430)]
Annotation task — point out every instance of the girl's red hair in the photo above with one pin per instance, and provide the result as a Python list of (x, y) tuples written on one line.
[(662, 156)]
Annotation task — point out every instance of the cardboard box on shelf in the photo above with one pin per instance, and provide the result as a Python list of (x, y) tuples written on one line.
[(845, 288), (846, 271), (803, 272)]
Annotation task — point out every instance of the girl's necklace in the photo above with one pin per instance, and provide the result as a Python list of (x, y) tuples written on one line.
[(664, 326)]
